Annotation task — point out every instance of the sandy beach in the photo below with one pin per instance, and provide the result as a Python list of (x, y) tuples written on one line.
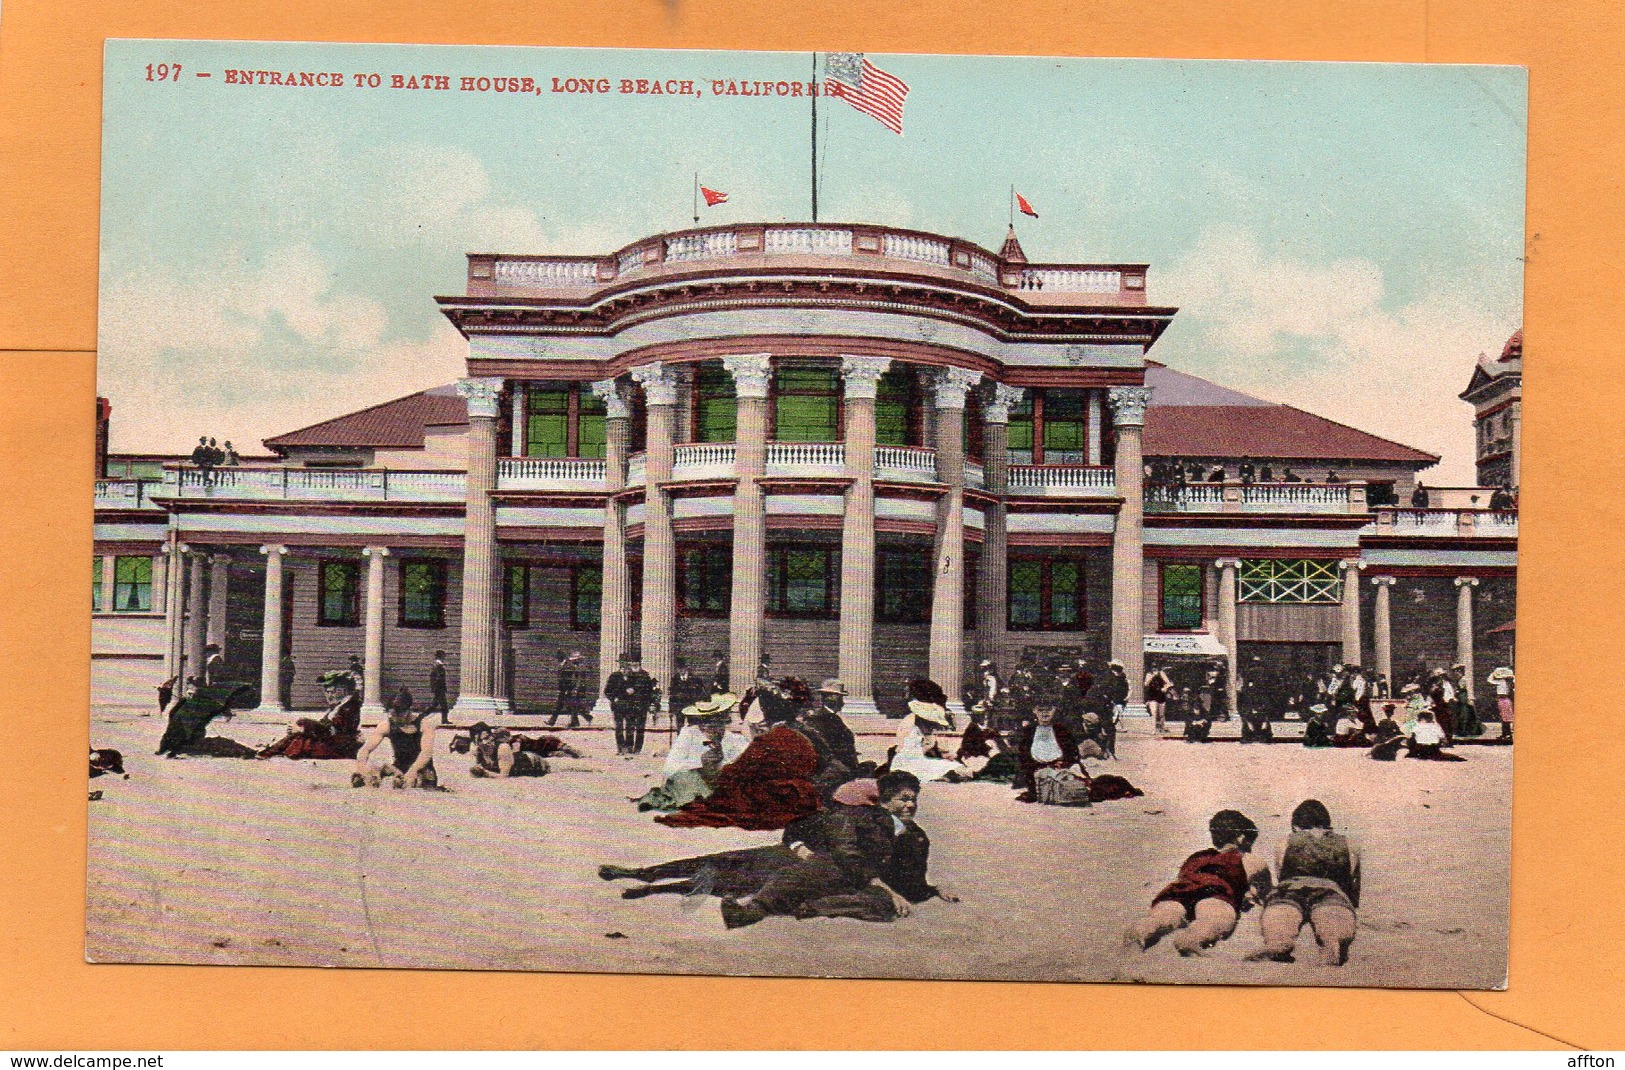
[(277, 862)]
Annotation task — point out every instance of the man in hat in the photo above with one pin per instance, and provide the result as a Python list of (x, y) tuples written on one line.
[(687, 688), (632, 693), (570, 690), (437, 688), (826, 720)]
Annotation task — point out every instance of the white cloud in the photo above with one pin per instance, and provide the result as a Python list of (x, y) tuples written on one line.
[(1329, 338), (252, 351)]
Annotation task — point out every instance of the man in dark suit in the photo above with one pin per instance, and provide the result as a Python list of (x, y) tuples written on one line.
[(437, 688), (571, 690), (826, 720), (632, 693), (687, 688), (1042, 744)]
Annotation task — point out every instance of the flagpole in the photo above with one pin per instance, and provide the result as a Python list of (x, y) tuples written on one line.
[(1012, 206), (814, 96), (696, 198)]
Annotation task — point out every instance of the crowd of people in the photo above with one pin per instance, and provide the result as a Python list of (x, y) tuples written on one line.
[(207, 456)]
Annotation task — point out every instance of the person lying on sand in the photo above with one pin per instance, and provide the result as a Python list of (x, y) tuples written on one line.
[(500, 753), (1212, 890), (1319, 886)]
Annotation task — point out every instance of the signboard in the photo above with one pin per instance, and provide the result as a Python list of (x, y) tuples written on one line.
[(1200, 644)]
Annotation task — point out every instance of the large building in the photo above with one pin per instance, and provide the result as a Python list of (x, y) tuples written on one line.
[(1496, 394), (858, 451)]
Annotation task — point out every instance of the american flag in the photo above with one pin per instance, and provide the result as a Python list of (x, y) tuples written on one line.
[(867, 88)]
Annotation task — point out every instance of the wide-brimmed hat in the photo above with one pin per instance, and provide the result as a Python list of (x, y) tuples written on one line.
[(1411, 689), (1319, 707), (928, 711), (1501, 672), (721, 702), (832, 687)]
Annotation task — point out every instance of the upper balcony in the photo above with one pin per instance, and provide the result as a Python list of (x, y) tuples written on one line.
[(849, 247), (1236, 497), (286, 483), (1446, 523)]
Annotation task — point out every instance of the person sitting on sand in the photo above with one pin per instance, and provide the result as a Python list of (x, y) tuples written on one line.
[(1198, 717), (1318, 885), (767, 787), (1317, 730), (823, 861), (983, 751), (1043, 744), (697, 755), (411, 764), (501, 753), (186, 731), (918, 750), (1213, 888), (336, 734), (1349, 730), (1427, 740)]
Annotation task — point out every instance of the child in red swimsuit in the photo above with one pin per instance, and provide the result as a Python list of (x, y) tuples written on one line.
[(1212, 889)]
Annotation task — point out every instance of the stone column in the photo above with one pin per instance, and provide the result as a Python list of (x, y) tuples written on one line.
[(1464, 630), (1382, 630), (192, 644), (160, 581), (175, 616), (862, 376), (948, 588), (613, 606), (659, 633), (1227, 626), (372, 660), (1351, 610), (1128, 552), (476, 695), (993, 595), (104, 594), (748, 597), (1094, 454), (271, 634), (519, 415), (219, 584)]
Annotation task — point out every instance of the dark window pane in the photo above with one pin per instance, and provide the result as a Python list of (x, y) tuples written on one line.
[(339, 590), (1066, 602), (132, 584), (807, 405), (590, 426), (1026, 588), (1181, 596), (707, 577), (516, 595), (547, 429), (903, 586), (894, 397), (422, 594), (716, 411), (586, 593)]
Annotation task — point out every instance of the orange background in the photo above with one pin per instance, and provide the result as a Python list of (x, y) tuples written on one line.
[(1568, 939)]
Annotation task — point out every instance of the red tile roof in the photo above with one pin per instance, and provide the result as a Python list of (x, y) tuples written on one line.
[(397, 424), (1265, 432)]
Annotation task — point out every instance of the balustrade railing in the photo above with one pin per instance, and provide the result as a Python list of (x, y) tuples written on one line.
[(719, 455), (975, 475), (523, 473), (637, 470), (910, 463), (709, 245), (1447, 523), (546, 272), (1074, 478), (803, 455), (822, 241), (123, 494), (915, 247), (1072, 280), (1298, 494), (315, 484)]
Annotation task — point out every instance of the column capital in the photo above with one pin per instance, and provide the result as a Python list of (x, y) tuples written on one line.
[(1228, 563), (862, 375), (274, 548), (751, 373), (484, 396), (1384, 581), (1351, 563), (1129, 404), (1466, 581), (380, 551), (609, 392), (952, 384), (184, 548), (1005, 398), (658, 383)]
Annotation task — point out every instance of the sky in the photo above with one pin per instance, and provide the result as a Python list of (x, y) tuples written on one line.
[(1347, 238)]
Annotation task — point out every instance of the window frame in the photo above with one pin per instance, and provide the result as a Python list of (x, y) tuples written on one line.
[(719, 560), (1046, 592), (777, 585), (120, 584), (910, 401), (521, 569), (1321, 581), (351, 614), (884, 556), (437, 589), (835, 393), (1162, 597), (579, 403), (701, 392)]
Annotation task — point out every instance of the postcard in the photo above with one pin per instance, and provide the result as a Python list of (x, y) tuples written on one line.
[(830, 514)]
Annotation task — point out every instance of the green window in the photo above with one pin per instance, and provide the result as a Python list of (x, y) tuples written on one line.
[(516, 595), (547, 424), (903, 586), (586, 595), (715, 409), (800, 581), (807, 405), (1065, 427), (1181, 596), (895, 423), (591, 430), (96, 582), (423, 593), (1021, 429), (132, 584), (1045, 593), (340, 605), (1290, 582), (705, 579)]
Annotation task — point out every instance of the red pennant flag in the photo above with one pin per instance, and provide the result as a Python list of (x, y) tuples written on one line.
[(1026, 208), (713, 197)]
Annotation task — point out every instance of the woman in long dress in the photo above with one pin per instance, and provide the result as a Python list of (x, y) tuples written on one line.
[(697, 755), (917, 750)]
